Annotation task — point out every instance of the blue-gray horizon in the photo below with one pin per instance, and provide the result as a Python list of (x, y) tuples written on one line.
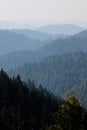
[(33, 24)]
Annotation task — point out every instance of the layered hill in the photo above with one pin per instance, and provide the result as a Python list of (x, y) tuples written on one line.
[(75, 43), (59, 73), (37, 35), (11, 41), (66, 29)]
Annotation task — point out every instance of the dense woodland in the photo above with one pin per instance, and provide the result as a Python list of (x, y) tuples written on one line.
[(24, 107), (60, 74)]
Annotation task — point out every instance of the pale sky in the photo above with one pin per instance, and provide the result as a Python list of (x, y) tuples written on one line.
[(52, 10)]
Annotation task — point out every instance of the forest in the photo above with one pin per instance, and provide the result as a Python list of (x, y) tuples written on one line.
[(25, 107), (60, 74)]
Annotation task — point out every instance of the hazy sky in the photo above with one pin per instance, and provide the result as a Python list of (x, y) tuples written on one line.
[(49, 10)]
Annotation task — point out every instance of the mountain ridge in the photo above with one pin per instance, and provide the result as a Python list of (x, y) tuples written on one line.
[(67, 29)]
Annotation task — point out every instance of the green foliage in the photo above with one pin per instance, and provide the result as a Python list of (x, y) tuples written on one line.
[(70, 116)]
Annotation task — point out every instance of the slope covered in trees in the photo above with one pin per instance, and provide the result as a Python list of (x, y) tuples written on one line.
[(59, 73), (23, 107), (72, 44), (15, 59), (11, 41), (36, 35), (81, 91)]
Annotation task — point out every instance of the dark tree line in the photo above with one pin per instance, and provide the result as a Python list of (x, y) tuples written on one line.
[(24, 107)]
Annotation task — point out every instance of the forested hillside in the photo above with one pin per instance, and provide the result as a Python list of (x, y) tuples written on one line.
[(11, 41), (36, 35), (72, 44), (15, 59), (22, 107), (58, 73)]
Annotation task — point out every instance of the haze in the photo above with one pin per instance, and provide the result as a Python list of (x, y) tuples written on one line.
[(47, 10)]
